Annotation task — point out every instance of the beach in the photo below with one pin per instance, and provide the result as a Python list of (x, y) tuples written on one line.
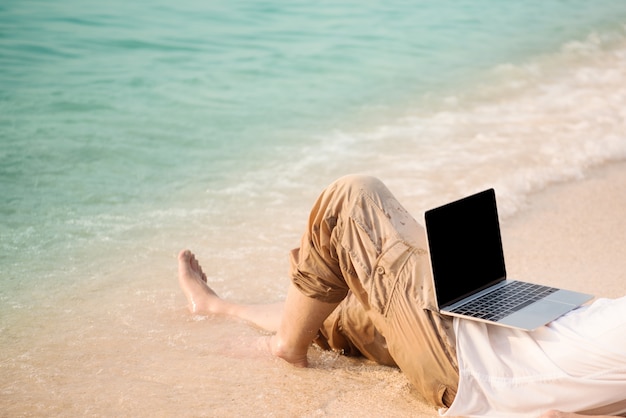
[(572, 234), (108, 363), (131, 130)]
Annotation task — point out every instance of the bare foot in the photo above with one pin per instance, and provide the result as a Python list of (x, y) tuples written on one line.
[(202, 299)]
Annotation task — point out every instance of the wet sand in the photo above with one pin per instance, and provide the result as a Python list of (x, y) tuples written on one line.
[(128, 347)]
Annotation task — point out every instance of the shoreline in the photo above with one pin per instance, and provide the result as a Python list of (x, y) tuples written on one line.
[(140, 343), (104, 192)]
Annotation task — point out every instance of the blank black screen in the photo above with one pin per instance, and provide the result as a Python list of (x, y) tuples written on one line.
[(465, 246)]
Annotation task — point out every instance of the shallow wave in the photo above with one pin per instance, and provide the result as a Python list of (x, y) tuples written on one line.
[(534, 124)]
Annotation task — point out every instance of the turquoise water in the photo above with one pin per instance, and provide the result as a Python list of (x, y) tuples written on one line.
[(129, 130), (114, 114)]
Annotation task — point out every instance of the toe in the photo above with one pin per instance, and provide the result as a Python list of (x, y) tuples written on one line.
[(184, 255)]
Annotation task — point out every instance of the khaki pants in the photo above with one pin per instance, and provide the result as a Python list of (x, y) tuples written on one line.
[(362, 248)]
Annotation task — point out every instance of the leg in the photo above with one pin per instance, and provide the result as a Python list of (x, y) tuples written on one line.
[(351, 331), (301, 321), (296, 321), (203, 300), (360, 240)]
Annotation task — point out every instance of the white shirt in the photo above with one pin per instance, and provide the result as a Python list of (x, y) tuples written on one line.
[(577, 363)]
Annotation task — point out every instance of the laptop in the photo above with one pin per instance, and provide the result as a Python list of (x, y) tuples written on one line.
[(469, 274)]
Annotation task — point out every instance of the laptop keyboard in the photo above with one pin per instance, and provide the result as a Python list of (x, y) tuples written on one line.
[(505, 300)]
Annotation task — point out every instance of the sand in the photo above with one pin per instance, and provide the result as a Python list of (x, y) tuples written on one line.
[(573, 235), (141, 354)]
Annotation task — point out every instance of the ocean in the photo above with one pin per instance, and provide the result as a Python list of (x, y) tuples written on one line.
[(131, 130)]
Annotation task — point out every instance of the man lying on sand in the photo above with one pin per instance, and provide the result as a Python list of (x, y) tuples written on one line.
[(360, 285)]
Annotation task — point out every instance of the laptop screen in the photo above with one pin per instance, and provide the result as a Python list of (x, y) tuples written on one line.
[(465, 246)]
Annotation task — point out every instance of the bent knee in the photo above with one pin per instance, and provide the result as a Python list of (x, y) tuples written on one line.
[(359, 182)]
